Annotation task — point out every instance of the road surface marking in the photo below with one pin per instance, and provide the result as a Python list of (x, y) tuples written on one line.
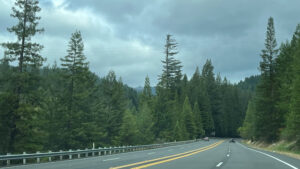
[(162, 158), (290, 165), (110, 159), (219, 164), (178, 157), (151, 153)]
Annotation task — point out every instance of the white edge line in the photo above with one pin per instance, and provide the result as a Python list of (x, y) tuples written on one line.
[(219, 164), (110, 159), (290, 165)]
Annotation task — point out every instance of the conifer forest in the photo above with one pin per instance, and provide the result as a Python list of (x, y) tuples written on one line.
[(65, 105)]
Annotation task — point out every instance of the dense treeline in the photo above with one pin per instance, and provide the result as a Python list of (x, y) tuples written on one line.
[(67, 106), (274, 112)]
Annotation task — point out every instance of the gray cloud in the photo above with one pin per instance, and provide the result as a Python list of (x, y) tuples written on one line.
[(128, 36)]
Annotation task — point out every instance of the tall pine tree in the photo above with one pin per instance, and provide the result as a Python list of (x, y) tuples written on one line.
[(24, 95), (268, 119)]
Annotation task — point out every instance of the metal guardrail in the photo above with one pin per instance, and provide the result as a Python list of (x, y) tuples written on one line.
[(87, 152)]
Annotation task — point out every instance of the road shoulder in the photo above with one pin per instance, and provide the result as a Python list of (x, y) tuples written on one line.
[(269, 148)]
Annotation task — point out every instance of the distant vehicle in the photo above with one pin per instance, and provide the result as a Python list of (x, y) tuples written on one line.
[(232, 141), (206, 139)]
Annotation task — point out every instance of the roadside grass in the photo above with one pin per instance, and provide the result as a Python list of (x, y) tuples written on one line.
[(281, 147)]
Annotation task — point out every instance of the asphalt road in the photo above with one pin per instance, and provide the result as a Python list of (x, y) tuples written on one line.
[(215, 154)]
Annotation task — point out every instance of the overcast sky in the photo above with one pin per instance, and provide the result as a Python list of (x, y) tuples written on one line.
[(128, 36)]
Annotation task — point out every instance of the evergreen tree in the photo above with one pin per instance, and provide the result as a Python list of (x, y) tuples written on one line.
[(114, 106), (178, 132), (293, 121), (145, 115), (217, 108), (147, 92), (79, 88), (206, 96), (145, 125), (266, 91), (171, 75), (24, 95), (247, 130), (184, 89), (198, 121), (195, 86), (167, 90), (189, 119), (129, 130)]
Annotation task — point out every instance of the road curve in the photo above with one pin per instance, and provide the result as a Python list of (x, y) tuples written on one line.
[(215, 154)]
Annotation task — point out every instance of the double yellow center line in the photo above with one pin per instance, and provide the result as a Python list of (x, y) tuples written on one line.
[(168, 158)]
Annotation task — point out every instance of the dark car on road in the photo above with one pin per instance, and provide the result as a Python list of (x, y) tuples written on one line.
[(232, 141)]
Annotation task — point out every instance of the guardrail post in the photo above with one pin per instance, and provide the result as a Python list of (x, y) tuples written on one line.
[(99, 151), (38, 158), (109, 150), (124, 149), (70, 155), (50, 158), (86, 154), (104, 151), (60, 157), (8, 161), (24, 159), (78, 153), (93, 152)]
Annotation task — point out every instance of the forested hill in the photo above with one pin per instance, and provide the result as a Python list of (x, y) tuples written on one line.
[(249, 83), (108, 112)]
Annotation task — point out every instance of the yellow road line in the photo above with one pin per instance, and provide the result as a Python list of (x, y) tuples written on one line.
[(175, 158), (162, 158)]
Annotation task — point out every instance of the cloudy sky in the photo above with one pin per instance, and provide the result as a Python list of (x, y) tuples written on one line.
[(128, 36)]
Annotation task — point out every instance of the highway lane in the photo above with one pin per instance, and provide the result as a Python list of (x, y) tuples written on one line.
[(231, 156), (214, 154), (105, 162)]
